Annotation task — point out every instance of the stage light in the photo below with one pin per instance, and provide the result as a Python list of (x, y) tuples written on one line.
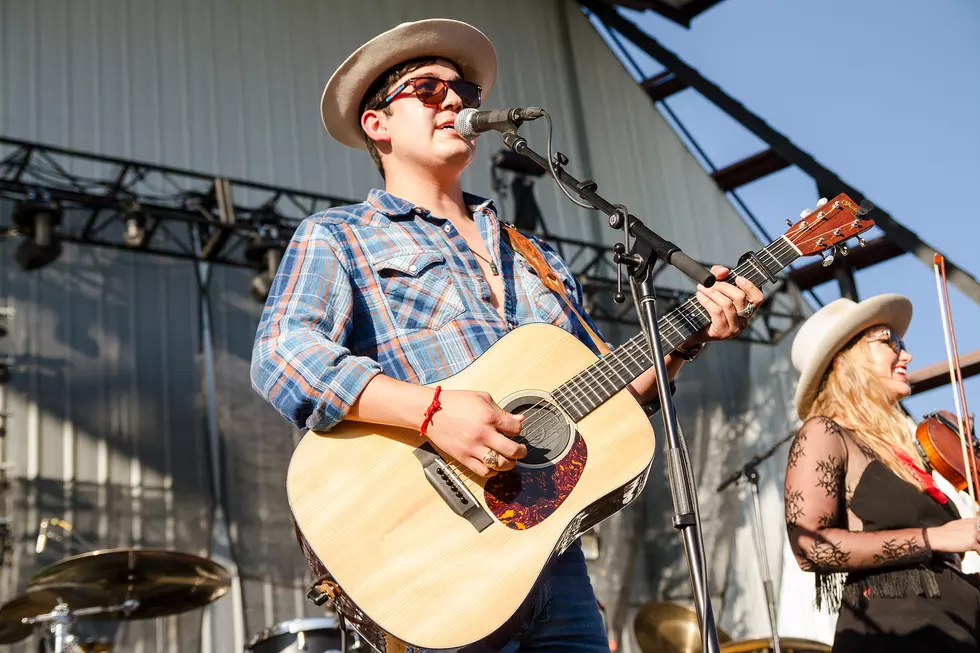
[(36, 221), (135, 231), (265, 255)]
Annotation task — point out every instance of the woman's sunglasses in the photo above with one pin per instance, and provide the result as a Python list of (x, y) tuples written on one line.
[(891, 338), (433, 91)]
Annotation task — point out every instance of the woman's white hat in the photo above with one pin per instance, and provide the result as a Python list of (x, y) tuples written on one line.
[(833, 326), (459, 42)]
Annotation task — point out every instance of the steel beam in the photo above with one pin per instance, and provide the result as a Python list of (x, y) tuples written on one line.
[(937, 374), (897, 233)]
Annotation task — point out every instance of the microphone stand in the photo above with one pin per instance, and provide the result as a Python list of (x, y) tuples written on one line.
[(750, 472), (646, 249)]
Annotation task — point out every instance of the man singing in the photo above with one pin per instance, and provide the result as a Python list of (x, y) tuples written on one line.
[(375, 300)]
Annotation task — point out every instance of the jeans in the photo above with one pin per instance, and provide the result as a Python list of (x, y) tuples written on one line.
[(560, 615)]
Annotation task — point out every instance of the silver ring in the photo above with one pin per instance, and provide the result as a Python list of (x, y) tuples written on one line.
[(747, 311)]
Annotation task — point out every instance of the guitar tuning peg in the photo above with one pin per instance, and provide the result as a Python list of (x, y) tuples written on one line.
[(805, 212), (821, 202), (843, 249), (828, 257), (862, 242), (866, 207), (789, 223)]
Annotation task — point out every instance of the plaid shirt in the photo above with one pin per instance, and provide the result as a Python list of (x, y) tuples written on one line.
[(386, 287)]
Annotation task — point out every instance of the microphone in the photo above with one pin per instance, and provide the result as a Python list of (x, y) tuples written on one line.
[(42, 536), (470, 123)]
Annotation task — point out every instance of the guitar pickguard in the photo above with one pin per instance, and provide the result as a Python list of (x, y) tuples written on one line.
[(525, 496)]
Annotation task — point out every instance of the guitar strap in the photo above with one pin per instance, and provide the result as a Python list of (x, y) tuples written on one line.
[(522, 245)]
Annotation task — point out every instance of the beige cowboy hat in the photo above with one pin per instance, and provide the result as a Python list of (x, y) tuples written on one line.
[(459, 42), (833, 326)]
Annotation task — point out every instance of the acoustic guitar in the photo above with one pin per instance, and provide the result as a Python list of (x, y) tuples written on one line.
[(420, 551)]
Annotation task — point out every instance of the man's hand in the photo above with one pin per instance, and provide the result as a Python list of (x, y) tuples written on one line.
[(474, 430), (723, 301)]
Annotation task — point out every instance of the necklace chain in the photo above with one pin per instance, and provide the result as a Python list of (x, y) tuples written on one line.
[(493, 266)]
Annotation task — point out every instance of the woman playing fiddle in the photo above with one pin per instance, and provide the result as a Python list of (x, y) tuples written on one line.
[(862, 513)]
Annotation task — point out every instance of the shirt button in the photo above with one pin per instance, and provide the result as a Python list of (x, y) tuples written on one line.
[(448, 228), (413, 268)]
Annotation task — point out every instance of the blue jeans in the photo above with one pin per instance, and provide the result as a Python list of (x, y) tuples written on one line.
[(560, 615)]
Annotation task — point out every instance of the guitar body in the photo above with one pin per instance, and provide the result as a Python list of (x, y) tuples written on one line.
[(406, 562)]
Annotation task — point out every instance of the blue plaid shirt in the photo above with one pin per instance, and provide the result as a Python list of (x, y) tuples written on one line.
[(386, 287)]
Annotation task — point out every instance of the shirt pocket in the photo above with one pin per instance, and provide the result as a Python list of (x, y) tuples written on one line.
[(418, 289)]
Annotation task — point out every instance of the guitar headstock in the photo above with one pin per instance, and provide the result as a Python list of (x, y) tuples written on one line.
[(829, 225)]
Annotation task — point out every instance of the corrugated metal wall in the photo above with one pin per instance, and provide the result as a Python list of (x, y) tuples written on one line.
[(104, 415), (108, 421)]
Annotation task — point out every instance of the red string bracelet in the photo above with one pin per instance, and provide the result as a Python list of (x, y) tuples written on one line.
[(430, 411)]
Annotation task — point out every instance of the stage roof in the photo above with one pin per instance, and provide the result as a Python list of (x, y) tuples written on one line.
[(679, 11)]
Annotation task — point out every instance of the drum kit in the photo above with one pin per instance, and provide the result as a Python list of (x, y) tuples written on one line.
[(111, 584), (129, 584), (672, 628)]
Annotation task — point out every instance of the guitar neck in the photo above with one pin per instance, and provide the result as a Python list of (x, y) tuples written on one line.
[(589, 389)]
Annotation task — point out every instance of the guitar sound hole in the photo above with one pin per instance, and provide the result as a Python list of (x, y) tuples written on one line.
[(545, 432)]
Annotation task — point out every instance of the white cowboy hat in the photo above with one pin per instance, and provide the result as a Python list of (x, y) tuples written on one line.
[(833, 326), (463, 44)]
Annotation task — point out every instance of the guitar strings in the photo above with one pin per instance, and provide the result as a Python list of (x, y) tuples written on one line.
[(673, 321)]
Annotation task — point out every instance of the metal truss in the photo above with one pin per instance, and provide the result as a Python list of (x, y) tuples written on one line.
[(136, 206), (129, 205)]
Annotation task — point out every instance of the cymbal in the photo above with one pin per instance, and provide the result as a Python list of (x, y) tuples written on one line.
[(164, 582), (669, 628), (788, 644), (38, 601)]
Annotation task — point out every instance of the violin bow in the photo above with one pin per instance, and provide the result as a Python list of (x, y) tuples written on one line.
[(956, 378)]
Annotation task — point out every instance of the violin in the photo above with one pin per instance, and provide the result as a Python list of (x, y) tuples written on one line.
[(948, 440), (939, 438)]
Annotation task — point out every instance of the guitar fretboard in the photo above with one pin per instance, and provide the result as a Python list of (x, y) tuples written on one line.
[(590, 388)]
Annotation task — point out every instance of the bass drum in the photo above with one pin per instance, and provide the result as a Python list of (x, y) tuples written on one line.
[(308, 635)]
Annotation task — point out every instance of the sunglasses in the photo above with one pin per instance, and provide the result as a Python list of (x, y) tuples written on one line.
[(891, 339), (433, 91)]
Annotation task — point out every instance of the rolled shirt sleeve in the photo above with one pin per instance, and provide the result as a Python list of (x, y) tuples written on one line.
[(300, 364)]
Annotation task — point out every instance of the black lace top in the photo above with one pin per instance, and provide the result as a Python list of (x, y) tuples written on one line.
[(847, 512)]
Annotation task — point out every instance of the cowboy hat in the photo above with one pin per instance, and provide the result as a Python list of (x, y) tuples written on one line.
[(833, 326), (463, 44)]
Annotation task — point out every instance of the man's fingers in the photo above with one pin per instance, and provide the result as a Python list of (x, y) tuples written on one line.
[(506, 447), (496, 461), (478, 468), (722, 304), (734, 293), (720, 272), (752, 292), (509, 424)]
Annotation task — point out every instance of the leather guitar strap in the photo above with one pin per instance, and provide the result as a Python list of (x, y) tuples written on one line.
[(523, 246)]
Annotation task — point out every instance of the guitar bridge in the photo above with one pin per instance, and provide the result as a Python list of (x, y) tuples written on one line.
[(451, 488)]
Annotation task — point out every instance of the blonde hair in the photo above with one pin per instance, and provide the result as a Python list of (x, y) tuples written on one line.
[(852, 391)]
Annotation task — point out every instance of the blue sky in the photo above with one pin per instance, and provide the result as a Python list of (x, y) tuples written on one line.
[(886, 93)]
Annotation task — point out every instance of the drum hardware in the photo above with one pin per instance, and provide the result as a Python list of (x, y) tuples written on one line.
[(311, 634), (62, 616), (673, 628), (44, 534), (163, 582), (670, 628), (765, 645), (123, 583)]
